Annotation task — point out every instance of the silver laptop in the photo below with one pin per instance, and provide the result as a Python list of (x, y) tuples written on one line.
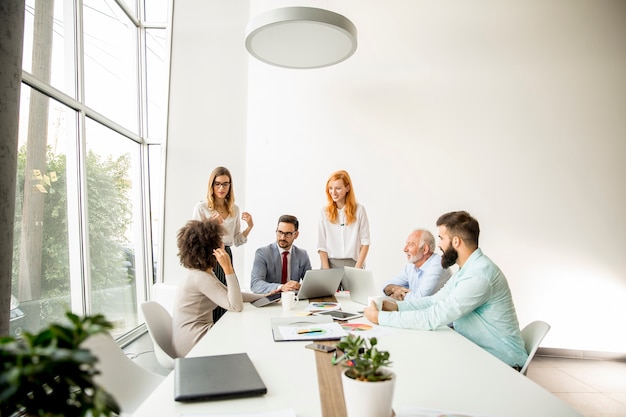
[(320, 283), (360, 283)]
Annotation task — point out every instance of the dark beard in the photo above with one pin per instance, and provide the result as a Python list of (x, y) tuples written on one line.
[(449, 257)]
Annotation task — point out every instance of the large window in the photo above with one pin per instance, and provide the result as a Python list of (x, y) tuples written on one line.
[(92, 126), (111, 63)]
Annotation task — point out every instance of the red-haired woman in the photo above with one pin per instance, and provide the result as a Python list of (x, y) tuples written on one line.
[(343, 232)]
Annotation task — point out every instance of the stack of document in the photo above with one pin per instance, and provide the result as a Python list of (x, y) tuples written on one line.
[(323, 306), (306, 328)]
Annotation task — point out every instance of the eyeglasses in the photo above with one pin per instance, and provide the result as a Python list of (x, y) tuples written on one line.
[(285, 234), (221, 184)]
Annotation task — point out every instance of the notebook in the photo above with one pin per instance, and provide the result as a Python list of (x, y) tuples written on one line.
[(208, 378), (286, 329), (320, 283), (360, 283)]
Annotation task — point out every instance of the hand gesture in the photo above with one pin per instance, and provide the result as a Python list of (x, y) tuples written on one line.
[(217, 217), (399, 293), (224, 260), (371, 312), (274, 291), (247, 217), (291, 285)]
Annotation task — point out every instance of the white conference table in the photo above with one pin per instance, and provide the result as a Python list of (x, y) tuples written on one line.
[(439, 370)]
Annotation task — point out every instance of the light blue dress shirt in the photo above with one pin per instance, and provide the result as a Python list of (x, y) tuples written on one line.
[(478, 301), (423, 281)]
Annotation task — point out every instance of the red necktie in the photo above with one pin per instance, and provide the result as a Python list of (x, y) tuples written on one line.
[(284, 275)]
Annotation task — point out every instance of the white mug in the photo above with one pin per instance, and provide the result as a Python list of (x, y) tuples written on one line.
[(288, 299), (378, 300)]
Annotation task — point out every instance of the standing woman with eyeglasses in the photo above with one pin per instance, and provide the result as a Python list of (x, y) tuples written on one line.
[(343, 232), (220, 205)]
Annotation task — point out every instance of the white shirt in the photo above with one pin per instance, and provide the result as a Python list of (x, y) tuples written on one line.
[(232, 224), (341, 241)]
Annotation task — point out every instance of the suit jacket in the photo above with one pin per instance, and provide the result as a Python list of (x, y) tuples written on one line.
[(268, 266)]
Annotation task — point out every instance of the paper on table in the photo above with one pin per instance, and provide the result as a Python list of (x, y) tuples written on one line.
[(366, 330), (311, 331), (323, 306), (278, 413)]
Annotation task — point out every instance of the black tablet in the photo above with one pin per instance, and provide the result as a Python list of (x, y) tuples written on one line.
[(272, 298), (339, 315)]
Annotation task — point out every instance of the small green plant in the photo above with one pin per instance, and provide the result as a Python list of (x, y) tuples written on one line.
[(48, 374), (363, 359)]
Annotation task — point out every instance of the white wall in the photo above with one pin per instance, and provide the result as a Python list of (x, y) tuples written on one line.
[(207, 112), (513, 111)]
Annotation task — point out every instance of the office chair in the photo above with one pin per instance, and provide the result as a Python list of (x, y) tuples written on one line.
[(533, 334), (129, 383), (159, 323)]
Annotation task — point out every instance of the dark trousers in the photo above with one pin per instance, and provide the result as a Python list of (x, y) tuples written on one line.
[(219, 273)]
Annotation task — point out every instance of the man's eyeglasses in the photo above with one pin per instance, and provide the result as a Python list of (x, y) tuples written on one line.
[(285, 234), (221, 184)]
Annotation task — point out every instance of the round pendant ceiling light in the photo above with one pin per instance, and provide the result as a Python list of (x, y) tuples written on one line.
[(301, 37)]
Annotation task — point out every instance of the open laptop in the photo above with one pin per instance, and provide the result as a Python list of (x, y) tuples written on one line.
[(320, 283), (360, 283), (218, 377)]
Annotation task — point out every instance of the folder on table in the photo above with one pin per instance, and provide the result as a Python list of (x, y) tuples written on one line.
[(208, 378)]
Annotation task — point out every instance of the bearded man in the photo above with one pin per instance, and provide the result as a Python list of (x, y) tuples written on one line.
[(476, 299)]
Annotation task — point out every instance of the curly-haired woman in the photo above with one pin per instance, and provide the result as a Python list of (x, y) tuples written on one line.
[(200, 249)]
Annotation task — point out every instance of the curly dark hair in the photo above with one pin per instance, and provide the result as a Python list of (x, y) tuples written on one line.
[(196, 241)]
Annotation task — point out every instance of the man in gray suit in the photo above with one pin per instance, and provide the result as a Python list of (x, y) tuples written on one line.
[(280, 266)]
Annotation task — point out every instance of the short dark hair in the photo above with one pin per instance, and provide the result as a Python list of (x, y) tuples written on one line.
[(288, 218), (196, 242), (460, 223)]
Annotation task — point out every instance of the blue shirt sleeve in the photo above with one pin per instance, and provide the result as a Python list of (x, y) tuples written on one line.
[(450, 303)]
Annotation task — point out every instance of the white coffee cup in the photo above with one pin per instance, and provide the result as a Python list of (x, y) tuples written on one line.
[(288, 299), (378, 300)]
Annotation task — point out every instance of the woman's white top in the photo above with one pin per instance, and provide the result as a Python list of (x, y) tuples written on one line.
[(232, 223), (340, 240)]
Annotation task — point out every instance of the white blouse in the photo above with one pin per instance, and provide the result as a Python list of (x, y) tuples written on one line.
[(232, 224), (341, 241)]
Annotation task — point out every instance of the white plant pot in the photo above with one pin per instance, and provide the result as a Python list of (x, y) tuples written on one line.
[(368, 399)]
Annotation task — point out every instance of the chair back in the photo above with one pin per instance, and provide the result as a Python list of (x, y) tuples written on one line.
[(129, 383), (533, 334), (159, 323)]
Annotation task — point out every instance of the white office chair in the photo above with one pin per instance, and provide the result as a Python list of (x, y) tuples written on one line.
[(126, 381), (159, 323), (533, 334)]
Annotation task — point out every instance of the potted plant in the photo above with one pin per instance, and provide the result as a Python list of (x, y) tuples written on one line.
[(367, 382), (48, 374)]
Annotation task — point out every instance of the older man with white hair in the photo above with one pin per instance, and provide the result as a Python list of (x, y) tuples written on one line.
[(423, 275)]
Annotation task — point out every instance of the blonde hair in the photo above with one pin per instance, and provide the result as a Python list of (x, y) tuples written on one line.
[(230, 197), (350, 207)]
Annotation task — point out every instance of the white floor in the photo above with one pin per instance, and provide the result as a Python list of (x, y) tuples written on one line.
[(595, 388)]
